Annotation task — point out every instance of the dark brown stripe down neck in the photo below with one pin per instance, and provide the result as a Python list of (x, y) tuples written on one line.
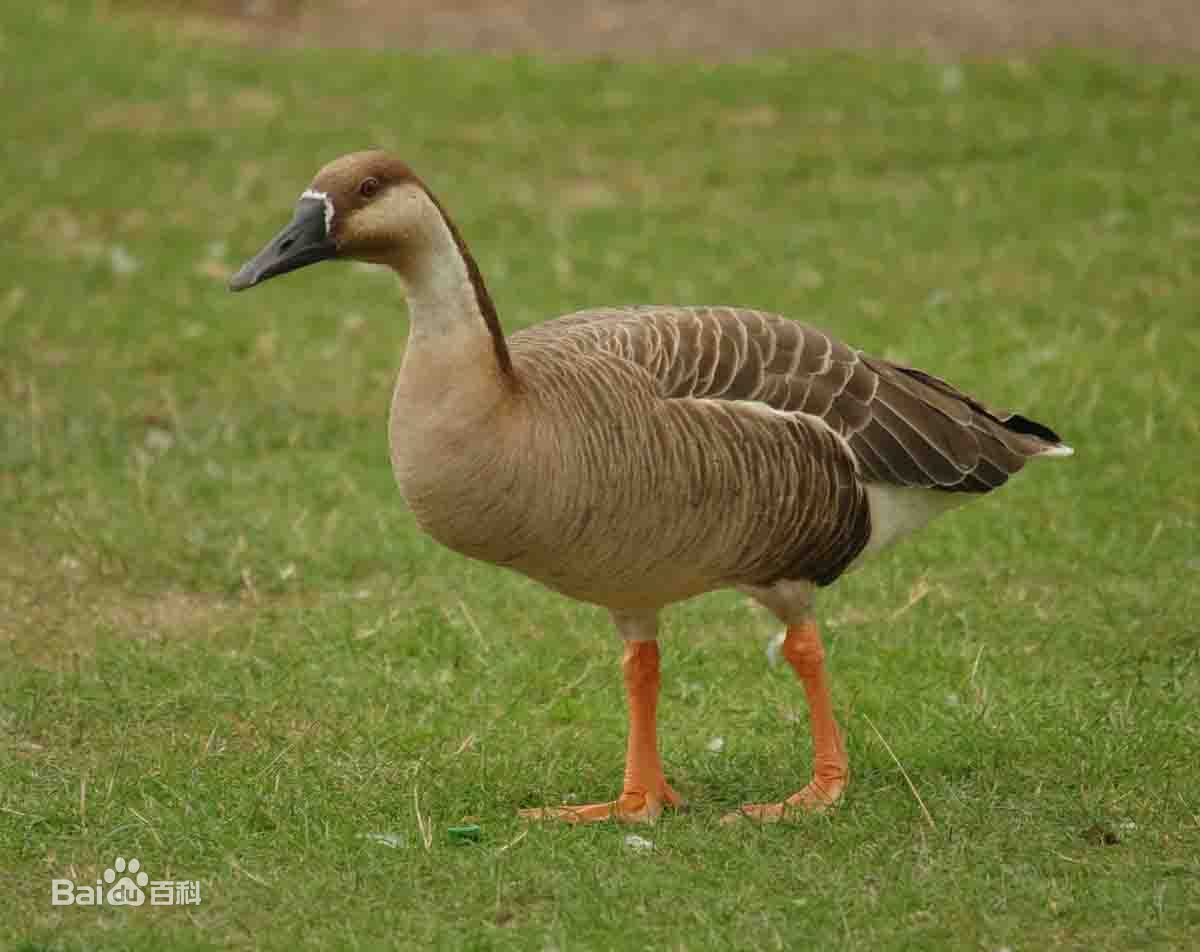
[(486, 307)]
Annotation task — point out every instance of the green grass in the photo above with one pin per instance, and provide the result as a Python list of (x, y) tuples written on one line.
[(226, 650)]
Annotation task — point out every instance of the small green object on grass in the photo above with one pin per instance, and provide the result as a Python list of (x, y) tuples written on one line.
[(464, 834)]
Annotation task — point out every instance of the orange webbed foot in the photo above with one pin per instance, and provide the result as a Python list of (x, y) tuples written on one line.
[(814, 798), (631, 807)]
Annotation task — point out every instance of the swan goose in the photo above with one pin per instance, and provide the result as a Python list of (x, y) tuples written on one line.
[(635, 457)]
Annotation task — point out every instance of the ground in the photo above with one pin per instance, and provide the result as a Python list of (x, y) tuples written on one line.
[(723, 29), (227, 651)]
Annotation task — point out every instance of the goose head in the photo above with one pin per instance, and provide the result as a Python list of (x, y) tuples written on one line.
[(369, 206), (366, 206)]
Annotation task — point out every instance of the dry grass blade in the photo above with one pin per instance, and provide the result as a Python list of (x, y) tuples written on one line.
[(466, 613), (467, 743), (919, 590), (904, 773), (514, 841), (424, 824)]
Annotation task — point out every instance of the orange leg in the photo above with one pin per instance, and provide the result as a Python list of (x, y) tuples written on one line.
[(804, 652), (646, 790)]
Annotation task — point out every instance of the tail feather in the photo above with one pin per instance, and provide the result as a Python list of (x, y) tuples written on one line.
[(1016, 423)]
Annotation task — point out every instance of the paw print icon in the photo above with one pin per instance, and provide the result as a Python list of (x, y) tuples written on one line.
[(126, 891)]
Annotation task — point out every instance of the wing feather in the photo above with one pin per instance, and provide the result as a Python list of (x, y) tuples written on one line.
[(904, 426)]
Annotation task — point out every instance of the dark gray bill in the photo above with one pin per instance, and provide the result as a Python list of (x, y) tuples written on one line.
[(304, 241)]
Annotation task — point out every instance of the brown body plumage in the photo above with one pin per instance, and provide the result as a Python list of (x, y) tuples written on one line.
[(636, 457), (640, 456)]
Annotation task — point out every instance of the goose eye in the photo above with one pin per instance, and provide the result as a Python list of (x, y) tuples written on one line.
[(369, 187)]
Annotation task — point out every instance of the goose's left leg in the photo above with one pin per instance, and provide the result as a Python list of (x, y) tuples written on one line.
[(804, 652), (646, 791)]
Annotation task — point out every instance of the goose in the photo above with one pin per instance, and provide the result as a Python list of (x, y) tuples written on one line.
[(635, 457)]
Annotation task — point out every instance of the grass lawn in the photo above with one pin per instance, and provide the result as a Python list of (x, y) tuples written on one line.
[(226, 650)]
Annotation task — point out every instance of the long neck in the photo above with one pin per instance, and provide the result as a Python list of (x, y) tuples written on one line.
[(451, 313)]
